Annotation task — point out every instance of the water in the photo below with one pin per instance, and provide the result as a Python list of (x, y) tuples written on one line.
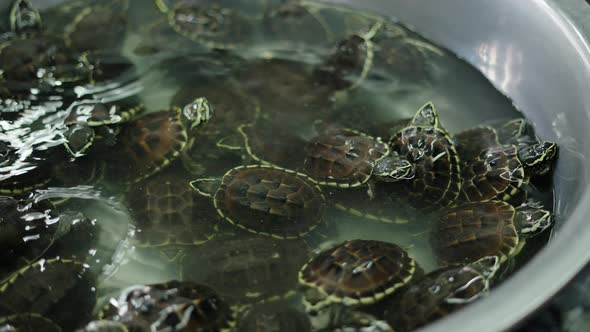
[(267, 71)]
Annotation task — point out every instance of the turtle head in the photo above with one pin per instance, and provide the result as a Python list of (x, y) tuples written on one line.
[(79, 139), (531, 219), (198, 112), (486, 266), (393, 168), (205, 187), (538, 158), (426, 116), (24, 17)]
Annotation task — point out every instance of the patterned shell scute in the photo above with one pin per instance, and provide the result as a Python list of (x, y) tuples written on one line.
[(496, 174), (438, 294), (165, 212), (148, 144), (174, 305), (249, 269), (343, 158), (436, 182), (475, 230), (471, 142), (359, 271), (270, 201)]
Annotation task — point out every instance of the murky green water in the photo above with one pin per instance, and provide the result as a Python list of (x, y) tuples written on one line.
[(267, 71)]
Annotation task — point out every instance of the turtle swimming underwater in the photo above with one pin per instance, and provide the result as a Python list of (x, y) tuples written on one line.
[(167, 216), (440, 293), (474, 230), (173, 305), (247, 269), (61, 290), (151, 142), (266, 200), (352, 274)]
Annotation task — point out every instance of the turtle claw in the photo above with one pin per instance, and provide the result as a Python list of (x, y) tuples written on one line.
[(205, 187)]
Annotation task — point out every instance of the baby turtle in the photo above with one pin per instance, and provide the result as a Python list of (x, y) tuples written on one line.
[(440, 293), (248, 269), (24, 18), (59, 289), (85, 119), (471, 231), (266, 200), (170, 306), (151, 142), (27, 322), (275, 317), (167, 216), (354, 273), (435, 180)]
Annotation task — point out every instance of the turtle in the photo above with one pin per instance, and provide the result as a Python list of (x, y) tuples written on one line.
[(84, 119), (441, 292), (247, 269), (27, 322), (172, 305), (352, 274), (233, 107), (474, 230), (98, 27), (435, 180), (500, 171), (60, 289), (168, 216), (350, 63), (32, 231), (151, 142), (216, 25), (21, 178), (274, 317), (24, 18), (266, 200)]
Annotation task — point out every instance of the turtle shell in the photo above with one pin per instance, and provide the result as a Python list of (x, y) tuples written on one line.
[(268, 145), (247, 269), (437, 181), (26, 179), (59, 289), (474, 230), (471, 142), (357, 272), (98, 27), (343, 157), (270, 201), (28, 322), (174, 305), (435, 296), (274, 317), (147, 145), (167, 215), (496, 173)]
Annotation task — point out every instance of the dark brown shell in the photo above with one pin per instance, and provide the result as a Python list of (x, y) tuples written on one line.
[(147, 145), (28, 322), (436, 182), (342, 157), (141, 307), (438, 294), (59, 289), (166, 213), (270, 201), (359, 271), (471, 142), (474, 230), (496, 173), (248, 269)]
